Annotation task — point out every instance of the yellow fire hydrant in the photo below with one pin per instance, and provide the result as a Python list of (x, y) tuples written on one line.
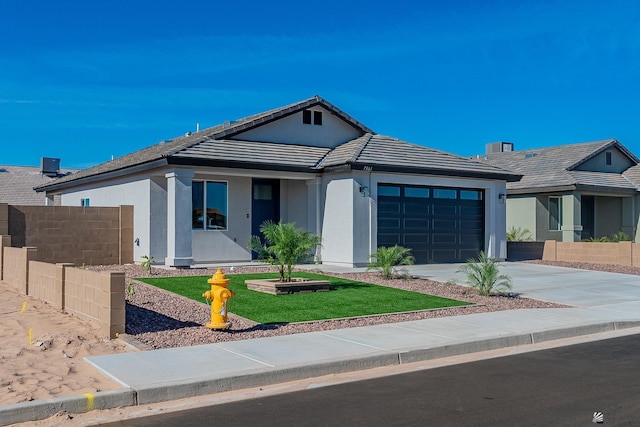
[(218, 295)]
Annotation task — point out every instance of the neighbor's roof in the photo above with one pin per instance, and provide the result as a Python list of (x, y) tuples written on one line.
[(553, 168), (212, 147), (17, 183)]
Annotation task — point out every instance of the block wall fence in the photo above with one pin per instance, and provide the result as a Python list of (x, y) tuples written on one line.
[(75, 234), (621, 253), (39, 246)]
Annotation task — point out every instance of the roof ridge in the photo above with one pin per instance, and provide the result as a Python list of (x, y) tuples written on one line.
[(358, 150)]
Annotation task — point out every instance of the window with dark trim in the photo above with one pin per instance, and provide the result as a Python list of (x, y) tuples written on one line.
[(607, 158), (317, 118), (214, 216), (306, 117)]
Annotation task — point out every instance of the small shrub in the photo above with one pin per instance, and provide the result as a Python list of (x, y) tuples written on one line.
[(620, 236), (519, 235), (484, 275), (596, 239), (130, 291), (387, 259), (146, 264)]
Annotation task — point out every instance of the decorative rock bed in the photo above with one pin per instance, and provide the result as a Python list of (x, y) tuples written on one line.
[(297, 285)]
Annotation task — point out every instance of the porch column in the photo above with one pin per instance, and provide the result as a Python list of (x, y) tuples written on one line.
[(571, 217), (179, 218)]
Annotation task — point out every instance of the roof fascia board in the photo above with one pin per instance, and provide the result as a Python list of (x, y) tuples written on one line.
[(541, 190), (241, 165), (606, 189), (447, 172), (103, 176)]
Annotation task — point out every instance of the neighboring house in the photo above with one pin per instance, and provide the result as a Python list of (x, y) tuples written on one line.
[(572, 192), (199, 198), (17, 183)]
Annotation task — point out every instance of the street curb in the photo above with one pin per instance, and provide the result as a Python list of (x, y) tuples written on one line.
[(41, 409)]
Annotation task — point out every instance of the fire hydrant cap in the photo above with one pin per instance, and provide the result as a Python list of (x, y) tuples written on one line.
[(219, 279)]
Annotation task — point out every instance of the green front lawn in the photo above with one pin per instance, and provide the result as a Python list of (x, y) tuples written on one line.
[(346, 299)]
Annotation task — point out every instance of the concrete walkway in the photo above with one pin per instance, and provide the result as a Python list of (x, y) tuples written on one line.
[(602, 301)]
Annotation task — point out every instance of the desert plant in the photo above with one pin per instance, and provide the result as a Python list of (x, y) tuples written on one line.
[(387, 259), (146, 264), (130, 291), (596, 239), (484, 275), (517, 234), (284, 245), (620, 236)]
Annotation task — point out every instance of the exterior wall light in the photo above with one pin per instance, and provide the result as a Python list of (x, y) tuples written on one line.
[(364, 191), (503, 198)]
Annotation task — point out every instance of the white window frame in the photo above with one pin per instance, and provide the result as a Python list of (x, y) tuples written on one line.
[(559, 217)]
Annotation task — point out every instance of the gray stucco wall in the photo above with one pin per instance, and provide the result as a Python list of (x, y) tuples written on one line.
[(608, 216), (291, 130)]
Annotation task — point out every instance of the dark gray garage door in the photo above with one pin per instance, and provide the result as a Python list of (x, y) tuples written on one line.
[(438, 224)]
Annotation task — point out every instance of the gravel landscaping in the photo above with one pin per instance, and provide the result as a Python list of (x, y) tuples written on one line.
[(161, 319)]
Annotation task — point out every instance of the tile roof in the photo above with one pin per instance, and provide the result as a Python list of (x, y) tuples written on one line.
[(214, 147), (552, 167), (633, 175), (17, 183)]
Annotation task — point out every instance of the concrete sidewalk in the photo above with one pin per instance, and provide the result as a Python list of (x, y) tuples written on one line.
[(604, 302)]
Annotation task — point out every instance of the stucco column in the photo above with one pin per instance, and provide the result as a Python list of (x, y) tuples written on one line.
[(314, 219), (571, 217), (179, 218)]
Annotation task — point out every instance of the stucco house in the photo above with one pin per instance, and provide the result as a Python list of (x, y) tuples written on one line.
[(571, 192), (200, 197)]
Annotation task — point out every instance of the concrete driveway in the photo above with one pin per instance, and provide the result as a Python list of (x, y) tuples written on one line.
[(578, 288)]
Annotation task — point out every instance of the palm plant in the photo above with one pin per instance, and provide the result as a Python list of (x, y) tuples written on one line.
[(284, 245), (517, 234), (387, 259), (484, 275)]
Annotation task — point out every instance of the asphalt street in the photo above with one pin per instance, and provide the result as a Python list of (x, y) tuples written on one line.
[(561, 386)]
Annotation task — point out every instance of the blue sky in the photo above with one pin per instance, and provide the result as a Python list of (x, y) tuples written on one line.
[(87, 80)]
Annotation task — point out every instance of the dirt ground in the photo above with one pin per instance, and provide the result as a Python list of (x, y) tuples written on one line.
[(42, 350)]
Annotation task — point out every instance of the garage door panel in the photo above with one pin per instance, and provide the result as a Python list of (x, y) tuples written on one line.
[(385, 223), (388, 239), (471, 210), (443, 255), (444, 238), (445, 224), (416, 238), (416, 209), (466, 224), (387, 207), (420, 223), (444, 209)]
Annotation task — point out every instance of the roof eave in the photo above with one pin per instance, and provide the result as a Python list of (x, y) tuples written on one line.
[(434, 171), (102, 176), (186, 161)]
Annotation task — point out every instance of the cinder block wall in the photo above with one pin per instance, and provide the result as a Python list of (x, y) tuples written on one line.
[(15, 267), (97, 296), (620, 253), (46, 282), (73, 234)]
